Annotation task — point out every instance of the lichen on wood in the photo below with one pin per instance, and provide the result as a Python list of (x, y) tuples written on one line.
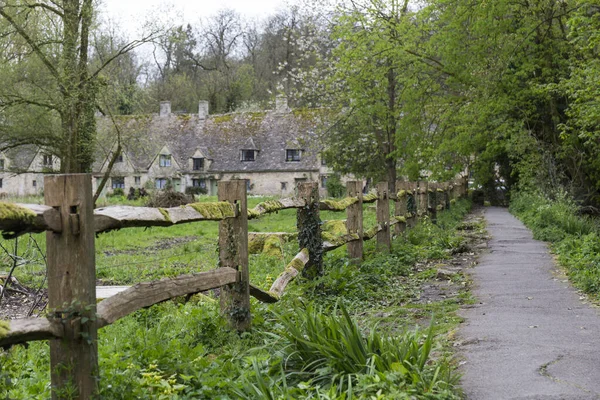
[(214, 210), (370, 197), (265, 207), (15, 212), (338, 205), (165, 214), (4, 328), (272, 246), (371, 232), (332, 230)]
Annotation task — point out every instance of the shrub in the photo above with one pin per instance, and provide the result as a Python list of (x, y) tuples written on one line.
[(195, 190), (334, 186)]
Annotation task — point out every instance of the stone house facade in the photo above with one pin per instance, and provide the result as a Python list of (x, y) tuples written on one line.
[(272, 150)]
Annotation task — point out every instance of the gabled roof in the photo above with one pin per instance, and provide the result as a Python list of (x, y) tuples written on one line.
[(220, 139)]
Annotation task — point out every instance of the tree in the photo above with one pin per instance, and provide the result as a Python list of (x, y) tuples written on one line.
[(56, 38)]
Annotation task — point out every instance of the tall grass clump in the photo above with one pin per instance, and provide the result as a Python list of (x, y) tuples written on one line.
[(573, 237), (324, 352)]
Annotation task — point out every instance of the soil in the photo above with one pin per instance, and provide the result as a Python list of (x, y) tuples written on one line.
[(449, 279), (159, 245), (18, 301)]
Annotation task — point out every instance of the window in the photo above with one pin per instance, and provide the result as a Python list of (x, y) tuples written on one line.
[(283, 185), (138, 180), (161, 183), (1, 164), (118, 182), (323, 181), (248, 155), (201, 183), (0, 183), (34, 183), (47, 160), (198, 164), (292, 155), (119, 158), (165, 160), (323, 162), (248, 185)]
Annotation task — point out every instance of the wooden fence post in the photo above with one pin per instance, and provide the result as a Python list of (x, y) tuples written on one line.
[(422, 199), (447, 190), (72, 287), (401, 206), (412, 204), (432, 200), (308, 222), (354, 220), (233, 253), (384, 241)]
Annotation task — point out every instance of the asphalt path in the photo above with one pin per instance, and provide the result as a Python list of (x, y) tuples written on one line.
[(532, 336)]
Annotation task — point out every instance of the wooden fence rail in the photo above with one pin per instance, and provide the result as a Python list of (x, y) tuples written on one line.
[(71, 224)]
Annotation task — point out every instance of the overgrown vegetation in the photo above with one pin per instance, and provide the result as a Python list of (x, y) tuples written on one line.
[(573, 237), (349, 334)]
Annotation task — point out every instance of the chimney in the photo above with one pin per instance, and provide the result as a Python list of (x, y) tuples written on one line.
[(203, 109), (281, 104), (165, 109)]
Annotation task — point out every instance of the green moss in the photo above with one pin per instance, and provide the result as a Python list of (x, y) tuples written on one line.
[(265, 207), (401, 194), (296, 264), (256, 244), (440, 190), (369, 233), (222, 119), (400, 219), (4, 328), (439, 207), (453, 201), (10, 211), (339, 205), (334, 227), (165, 214), (272, 246), (370, 197), (184, 117), (216, 210)]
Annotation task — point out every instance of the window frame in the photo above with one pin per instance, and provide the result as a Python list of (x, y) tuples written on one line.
[(160, 180), (198, 159), (164, 160), (47, 160), (117, 185), (291, 153), (245, 152), (201, 182)]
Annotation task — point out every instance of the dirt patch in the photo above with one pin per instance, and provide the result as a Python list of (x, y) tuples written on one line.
[(449, 279), (159, 245), (20, 301)]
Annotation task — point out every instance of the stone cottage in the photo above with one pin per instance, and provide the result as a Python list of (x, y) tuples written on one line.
[(272, 150)]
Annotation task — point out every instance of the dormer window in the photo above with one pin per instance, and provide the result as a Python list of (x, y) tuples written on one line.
[(47, 160), (164, 160), (248, 155), (197, 164), (1, 164), (119, 158), (292, 155)]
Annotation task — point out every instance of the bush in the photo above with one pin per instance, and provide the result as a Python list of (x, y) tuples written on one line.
[(168, 198), (116, 193), (195, 190), (334, 186)]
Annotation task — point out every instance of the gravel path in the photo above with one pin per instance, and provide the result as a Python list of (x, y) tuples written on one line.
[(531, 336)]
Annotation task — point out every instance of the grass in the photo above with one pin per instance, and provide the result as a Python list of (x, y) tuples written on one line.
[(573, 238), (182, 350)]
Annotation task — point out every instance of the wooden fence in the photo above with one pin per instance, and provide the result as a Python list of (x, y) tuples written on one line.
[(71, 225)]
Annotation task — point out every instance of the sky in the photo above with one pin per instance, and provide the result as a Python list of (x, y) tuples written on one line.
[(130, 14)]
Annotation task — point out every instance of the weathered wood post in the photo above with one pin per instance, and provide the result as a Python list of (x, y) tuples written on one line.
[(354, 220), (432, 200), (384, 241), (422, 199), (308, 222), (411, 204), (447, 192), (401, 206), (72, 287), (233, 253)]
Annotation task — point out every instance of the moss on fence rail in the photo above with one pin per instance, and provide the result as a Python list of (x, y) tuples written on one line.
[(15, 212), (215, 210)]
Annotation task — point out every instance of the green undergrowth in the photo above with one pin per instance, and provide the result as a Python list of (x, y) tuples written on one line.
[(574, 238), (357, 332)]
